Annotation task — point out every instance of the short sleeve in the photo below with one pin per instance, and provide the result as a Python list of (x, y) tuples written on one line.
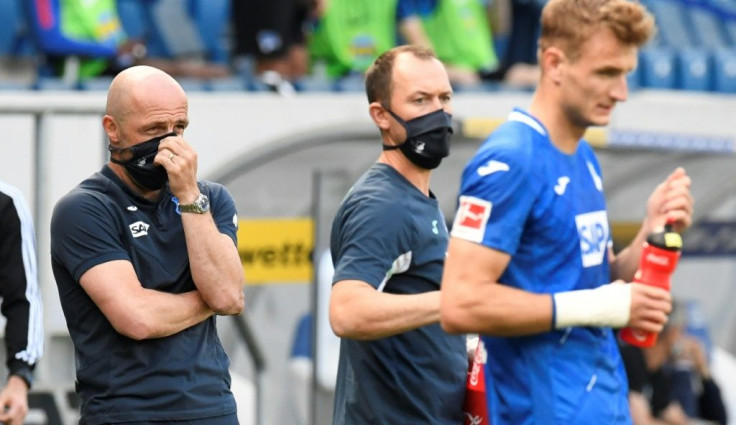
[(496, 195), (83, 234), (372, 237), (223, 210)]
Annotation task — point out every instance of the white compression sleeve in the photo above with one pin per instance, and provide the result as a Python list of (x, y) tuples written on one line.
[(606, 306)]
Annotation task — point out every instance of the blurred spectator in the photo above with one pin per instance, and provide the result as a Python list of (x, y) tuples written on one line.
[(273, 32), (671, 383), (21, 303), (499, 19), (457, 30), (84, 38), (350, 34), (519, 64)]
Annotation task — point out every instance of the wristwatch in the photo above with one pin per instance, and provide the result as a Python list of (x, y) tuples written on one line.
[(200, 206)]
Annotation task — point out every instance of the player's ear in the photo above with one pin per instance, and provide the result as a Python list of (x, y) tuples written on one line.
[(111, 129), (553, 61), (379, 115)]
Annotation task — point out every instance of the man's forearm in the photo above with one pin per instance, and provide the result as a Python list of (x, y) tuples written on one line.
[(215, 264)]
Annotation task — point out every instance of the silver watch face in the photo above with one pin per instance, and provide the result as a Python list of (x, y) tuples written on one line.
[(200, 206), (203, 202)]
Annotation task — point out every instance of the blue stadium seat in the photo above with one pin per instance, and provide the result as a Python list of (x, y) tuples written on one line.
[(351, 83), (657, 68), (54, 84), (14, 85), (673, 30), (729, 27), (96, 84), (707, 27), (311, 83), (230, 84), (693, 69), (633, 80), (192, 84), (724, 70)]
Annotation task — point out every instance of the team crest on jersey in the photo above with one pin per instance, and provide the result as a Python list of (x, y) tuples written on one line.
[(471, 218), (594, 234), (139, 229)]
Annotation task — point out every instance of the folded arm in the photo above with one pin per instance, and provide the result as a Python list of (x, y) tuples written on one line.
[(137, 312)]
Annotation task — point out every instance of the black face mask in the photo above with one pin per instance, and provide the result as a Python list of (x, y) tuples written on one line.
[(140, 166), (427, 138)]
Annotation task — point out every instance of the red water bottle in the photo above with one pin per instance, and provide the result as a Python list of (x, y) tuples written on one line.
[(475, 407), (659, 258)]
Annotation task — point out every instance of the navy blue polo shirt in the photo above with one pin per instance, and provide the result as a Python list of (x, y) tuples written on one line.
[(389, 234), (180, 377)]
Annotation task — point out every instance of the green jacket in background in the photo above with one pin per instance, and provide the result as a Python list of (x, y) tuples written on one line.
[(353, 33), (92, 21), (460, 34)]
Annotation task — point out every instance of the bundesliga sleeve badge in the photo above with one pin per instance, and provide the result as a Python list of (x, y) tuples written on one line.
[(471, 219)]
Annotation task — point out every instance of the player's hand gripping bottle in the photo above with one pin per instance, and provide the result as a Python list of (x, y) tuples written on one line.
[(659, 258)]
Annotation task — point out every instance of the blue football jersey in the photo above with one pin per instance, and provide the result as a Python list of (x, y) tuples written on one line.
[(521, 195)]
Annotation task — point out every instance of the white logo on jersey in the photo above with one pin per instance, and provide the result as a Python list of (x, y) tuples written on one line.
[(561, 185), (473, 420), (596, 178), (139, 229), (471, 218), (132, 208), (594, 234), (492, 167)]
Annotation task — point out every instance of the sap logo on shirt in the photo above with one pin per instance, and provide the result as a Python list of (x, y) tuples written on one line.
[(594, 234), (139, 229), (471, 218)]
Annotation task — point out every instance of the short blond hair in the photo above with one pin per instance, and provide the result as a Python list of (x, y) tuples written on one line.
[(567, 24)]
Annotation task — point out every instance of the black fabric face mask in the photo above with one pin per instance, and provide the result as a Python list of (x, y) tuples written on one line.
[(427, 138), (140, 166)]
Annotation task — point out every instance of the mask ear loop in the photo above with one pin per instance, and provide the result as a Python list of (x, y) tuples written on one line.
[(403, 124), (133, 149)]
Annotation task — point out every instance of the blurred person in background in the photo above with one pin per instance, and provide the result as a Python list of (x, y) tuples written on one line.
[(388, 244), (350, 34), (529, 264), (519, 65), (671, 382), (456, 30), (21, 304), (274, 33), (85, 38), (461, 34)]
